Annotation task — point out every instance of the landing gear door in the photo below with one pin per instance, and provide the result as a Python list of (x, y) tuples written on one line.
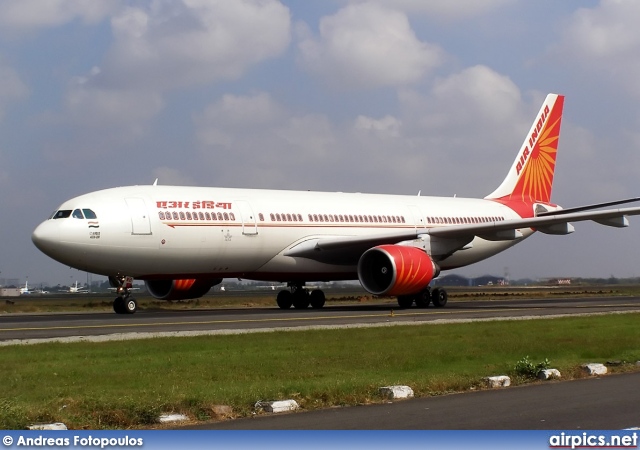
[(249, 224), (140, 223)]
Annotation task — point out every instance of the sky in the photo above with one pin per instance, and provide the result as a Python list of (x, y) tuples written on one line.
[(356, 96)]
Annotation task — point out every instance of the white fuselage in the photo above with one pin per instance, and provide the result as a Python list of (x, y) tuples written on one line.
[(159, 232)]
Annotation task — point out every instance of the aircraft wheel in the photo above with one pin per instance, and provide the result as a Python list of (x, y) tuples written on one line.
[(405, 301), (439, 297), (423, 298), (130, 305), (119, 306), (284, 299), (301, 299), (317, 299)]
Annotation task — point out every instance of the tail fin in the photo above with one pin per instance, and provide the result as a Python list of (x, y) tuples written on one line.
[(530, 178)]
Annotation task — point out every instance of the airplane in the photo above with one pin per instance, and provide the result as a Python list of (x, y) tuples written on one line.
[(75, 290), (181, 240), (25, 290)]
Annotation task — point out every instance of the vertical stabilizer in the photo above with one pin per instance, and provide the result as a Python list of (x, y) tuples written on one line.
[(530, 178)]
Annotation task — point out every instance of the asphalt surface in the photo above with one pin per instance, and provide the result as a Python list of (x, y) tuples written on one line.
[(607, 402), (18, 328)]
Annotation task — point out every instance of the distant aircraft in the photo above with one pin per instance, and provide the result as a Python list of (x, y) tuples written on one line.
[(25, 290), (75, 290), (183, 240)]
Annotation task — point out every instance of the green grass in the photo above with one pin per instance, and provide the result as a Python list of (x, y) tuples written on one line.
[(128, 384)]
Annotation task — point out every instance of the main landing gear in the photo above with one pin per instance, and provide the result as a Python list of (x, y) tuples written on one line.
[(124, 303), (437, 296), (299, 297)]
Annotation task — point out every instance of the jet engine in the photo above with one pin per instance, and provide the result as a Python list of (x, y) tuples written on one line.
[(180, 289), (396, 270)]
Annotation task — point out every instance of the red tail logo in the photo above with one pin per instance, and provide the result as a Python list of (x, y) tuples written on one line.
[(530, 178)]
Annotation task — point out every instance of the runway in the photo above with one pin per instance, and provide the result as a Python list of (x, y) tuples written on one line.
[(22, 328)]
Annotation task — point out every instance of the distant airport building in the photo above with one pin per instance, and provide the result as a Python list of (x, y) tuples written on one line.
[(9, 292)]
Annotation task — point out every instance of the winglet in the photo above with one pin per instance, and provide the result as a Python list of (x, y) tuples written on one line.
[(530, 178)]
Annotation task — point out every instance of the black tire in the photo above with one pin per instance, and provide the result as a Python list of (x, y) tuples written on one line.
[(301, 299), (317, 299), (439, 297), (423, 298), (284, 299), (118, 305), (405, 301)]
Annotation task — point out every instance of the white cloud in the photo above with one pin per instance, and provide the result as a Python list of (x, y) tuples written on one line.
[(310, 137), (604, 41), (388, 126), (169, 176), (104, 108), (27, 15), (368, 46), (168, 45), (449, 10), (266, 144), (478, 94), (11, 87), (193, 42), (221, 122)]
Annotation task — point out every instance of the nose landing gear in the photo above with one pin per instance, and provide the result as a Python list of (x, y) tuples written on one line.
[(124, 303)]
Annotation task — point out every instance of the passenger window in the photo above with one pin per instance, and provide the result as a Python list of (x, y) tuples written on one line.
[(77, 214), (161, 215), (210, 216)]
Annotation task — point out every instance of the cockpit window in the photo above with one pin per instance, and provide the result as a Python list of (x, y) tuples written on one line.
[(84, 213), (89, 214), (61, 214)]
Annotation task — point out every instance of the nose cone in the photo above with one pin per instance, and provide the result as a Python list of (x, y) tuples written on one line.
[(46, 237)]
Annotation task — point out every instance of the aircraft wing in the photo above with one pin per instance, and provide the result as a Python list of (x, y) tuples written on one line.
[(557, 222), (445, 240), (346, 250)]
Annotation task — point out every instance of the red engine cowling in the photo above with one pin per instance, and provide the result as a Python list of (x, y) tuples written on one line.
[(396, 270), (180, 289)]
